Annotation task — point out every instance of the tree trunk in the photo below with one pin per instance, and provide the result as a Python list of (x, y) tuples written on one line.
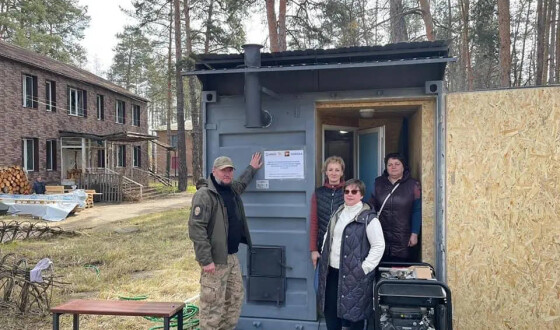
[(466, 66), (196, 134), (552, 45), (209, 23), (505, 42), (449, 18), (398, 23), (428, 20), (128, 69), (546, 8), (272, 26), (180, 99), (169, 92), (557, 69), (282, 26), (525, 34), (540, 42)]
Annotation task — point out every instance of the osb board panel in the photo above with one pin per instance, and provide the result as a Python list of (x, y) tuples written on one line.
[(415, 144), (503, 185), (428, 181)]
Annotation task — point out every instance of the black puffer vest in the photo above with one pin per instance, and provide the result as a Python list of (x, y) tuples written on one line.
[(328, 201), (395, 217), (355, 288)]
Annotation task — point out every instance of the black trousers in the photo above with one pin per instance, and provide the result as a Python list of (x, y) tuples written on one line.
[(331, 303)]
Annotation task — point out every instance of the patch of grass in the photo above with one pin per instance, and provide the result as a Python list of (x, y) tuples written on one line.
[(156, 259), (160, 187)]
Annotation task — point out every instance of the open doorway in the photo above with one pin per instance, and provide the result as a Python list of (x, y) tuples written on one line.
[(362, 134)]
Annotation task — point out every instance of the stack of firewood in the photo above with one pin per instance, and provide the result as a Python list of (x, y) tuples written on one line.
[(13, 180)]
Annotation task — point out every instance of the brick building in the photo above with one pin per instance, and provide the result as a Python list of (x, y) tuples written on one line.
[(163, 145), (59, 120)]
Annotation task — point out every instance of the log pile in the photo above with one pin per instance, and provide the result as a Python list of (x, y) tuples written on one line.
[(13, 180)]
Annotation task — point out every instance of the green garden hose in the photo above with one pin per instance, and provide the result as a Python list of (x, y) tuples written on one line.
[(97, 272), (189, 312)]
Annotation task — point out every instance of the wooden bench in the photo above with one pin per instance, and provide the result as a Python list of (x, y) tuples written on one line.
[(167, 310)]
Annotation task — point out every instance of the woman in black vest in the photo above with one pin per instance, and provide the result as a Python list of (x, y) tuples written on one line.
[(324, 202), (401, 217), (352, 248)]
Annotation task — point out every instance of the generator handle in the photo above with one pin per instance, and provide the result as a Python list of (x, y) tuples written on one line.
[(377, 311)]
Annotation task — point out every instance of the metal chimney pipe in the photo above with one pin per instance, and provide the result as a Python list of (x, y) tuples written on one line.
[(254, 116)]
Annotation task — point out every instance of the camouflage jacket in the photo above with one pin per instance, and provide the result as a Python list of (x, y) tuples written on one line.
[(208, 221)]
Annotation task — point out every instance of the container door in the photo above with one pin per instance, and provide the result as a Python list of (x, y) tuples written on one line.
[(371, 150)]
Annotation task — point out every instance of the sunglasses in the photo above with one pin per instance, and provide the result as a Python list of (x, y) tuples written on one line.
[(353, 191)]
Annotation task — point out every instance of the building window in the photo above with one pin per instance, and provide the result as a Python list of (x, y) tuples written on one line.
[(51, 155), (50, 95), (101, 158), (100, 107), (29, 154), (136, 115), (174, 140), (136, 160), (119, 112), (30, 91), (77, 101), (121, 155)]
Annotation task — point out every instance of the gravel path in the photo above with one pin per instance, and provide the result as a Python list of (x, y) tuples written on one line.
[(104, 213)]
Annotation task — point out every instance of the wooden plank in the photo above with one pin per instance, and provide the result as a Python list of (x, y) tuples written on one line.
[(54, 190)]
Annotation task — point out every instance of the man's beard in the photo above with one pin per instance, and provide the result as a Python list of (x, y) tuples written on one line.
[(221, 183)]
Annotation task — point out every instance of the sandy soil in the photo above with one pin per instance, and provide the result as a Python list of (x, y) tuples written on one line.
[(105, 213)]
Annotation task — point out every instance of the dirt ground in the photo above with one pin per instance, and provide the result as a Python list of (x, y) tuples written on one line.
[(106, 213)]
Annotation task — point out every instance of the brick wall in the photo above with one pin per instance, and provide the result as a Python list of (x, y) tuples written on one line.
[(20, 122)]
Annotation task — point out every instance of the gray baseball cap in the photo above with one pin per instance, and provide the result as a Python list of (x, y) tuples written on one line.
[(223, 162)]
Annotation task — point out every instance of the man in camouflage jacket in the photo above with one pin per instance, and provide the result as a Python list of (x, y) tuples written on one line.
[(217, 225)]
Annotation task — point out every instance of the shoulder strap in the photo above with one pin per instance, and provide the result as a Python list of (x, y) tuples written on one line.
[(386, 198)]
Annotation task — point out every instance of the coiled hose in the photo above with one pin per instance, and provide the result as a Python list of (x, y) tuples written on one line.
[(189, 322)]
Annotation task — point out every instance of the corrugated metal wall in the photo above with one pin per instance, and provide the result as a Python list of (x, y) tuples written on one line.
[(278, 215)]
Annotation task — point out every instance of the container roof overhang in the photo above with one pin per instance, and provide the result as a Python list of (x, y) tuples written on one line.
[(401, 65)]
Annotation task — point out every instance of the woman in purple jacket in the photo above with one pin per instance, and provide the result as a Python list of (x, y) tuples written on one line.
[(401, 217)]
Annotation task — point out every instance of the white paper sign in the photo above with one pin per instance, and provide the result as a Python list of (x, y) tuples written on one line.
[(283, 164)]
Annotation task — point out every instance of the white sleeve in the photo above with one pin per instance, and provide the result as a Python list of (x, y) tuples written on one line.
[(377, 246)]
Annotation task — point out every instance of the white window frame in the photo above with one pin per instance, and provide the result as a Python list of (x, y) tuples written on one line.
[(135, 115), (136, 156), (121, 155), (25, 155), (53, 144), (117, 110), (26, 102), (49, 91), (100, 100), (76, 107)]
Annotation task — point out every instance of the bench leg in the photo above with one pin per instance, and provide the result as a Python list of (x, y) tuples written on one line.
[(166, 323), (180, 320), (76, 322), (55, 321)]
